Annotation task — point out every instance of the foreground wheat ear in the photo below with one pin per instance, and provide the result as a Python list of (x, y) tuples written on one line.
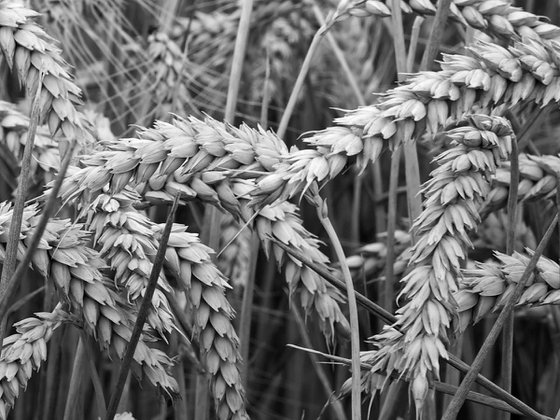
[(129, 239), (453, 195), (217, 164), (34, 56)]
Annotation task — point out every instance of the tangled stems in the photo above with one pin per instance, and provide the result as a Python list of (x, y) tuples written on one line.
[(452, 198)]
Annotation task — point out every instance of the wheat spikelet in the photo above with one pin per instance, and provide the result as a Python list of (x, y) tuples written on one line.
[(33, 55), (205, 286), (215, 163), (485, 288), (452, 198), (23, 353)]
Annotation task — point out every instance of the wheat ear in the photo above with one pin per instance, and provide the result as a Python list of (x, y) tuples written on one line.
[(452, 198), (190, 262), (23, 353), (217, 164), (33, 55), (76, 271), (486, 287)]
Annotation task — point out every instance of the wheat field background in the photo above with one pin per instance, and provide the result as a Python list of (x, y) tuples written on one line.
[(279, 209)]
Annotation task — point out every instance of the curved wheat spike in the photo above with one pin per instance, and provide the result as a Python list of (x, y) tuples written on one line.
[(76, 271), (453, 196), (23, 353), (485, 288), (33, 55), (217, 164), (487, 80), (191, 264)]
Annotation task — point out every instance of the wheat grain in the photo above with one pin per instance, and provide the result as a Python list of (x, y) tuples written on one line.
[(205, 286)]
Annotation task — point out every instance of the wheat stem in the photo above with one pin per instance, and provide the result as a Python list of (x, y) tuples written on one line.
[(389, 290), (438, 28), (322, 213), (142, 314), (76, 381), (508, 333), (459, 398), (19, 203)]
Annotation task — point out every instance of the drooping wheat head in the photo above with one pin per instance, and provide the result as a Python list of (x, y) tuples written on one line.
[(217, 164)]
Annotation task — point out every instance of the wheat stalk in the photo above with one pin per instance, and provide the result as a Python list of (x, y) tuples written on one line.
[(452, 197), (190, 262), (33, 55)]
